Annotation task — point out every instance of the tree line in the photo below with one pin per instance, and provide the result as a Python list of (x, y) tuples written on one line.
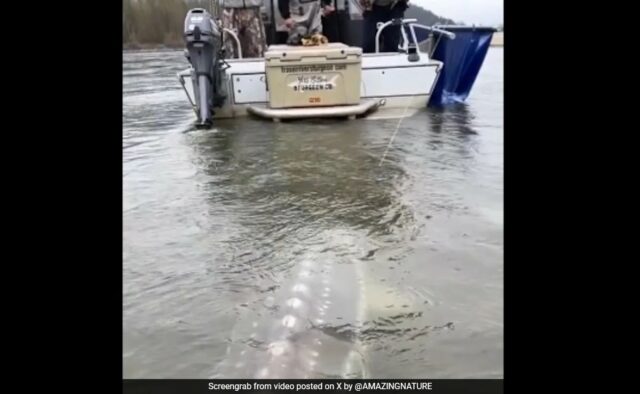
[(160, 22), (426, 17), (155, 22)]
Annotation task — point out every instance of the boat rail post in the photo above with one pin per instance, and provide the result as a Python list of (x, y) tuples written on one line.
[(445, 33), (434, 29), (402, 22), (236, 39)]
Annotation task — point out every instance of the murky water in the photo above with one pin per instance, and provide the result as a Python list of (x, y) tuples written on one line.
[(216, 223)]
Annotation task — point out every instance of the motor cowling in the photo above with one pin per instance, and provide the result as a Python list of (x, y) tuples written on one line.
[(203, 41)]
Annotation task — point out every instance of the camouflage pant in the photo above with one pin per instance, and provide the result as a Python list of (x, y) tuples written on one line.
[(248, 26)]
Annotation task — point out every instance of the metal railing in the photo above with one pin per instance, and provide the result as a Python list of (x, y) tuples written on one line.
[(411, 23), (236, 39)]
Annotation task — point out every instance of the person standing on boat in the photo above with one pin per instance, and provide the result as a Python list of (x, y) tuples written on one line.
[(375, 11), (244, 18), (304, 16), (330, 26)]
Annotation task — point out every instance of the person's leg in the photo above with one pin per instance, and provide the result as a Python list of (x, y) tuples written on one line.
[(342, 28), (253, 36), (370, 28), (392, 33), (330, 27), (228, 22), (391, 39), (316, 24)]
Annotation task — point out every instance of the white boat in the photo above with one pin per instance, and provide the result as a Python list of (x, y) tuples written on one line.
[(391, 83), (389, 78)]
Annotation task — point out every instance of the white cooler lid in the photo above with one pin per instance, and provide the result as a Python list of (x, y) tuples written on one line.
[(332, 50)]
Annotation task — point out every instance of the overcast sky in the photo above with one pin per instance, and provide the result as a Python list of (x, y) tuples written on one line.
[(479, 12)]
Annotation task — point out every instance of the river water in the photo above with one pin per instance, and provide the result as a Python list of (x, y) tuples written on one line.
[(215, 221)]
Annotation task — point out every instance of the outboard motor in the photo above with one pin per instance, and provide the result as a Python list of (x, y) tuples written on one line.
[(204, 41)]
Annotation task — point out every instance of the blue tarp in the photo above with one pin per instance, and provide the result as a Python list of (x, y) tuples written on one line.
[(462, 58)]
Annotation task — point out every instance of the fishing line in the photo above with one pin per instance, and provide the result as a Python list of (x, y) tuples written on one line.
[(404, 113), (394, 133)]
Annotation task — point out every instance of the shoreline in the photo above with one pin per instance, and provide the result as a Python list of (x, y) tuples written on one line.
[(137, 47), (496, 41)]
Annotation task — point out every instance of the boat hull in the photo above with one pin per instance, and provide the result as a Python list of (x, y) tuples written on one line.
[(399, 86)]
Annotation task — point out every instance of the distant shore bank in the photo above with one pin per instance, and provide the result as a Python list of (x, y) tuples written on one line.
[(498, 39), (137, 47)]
